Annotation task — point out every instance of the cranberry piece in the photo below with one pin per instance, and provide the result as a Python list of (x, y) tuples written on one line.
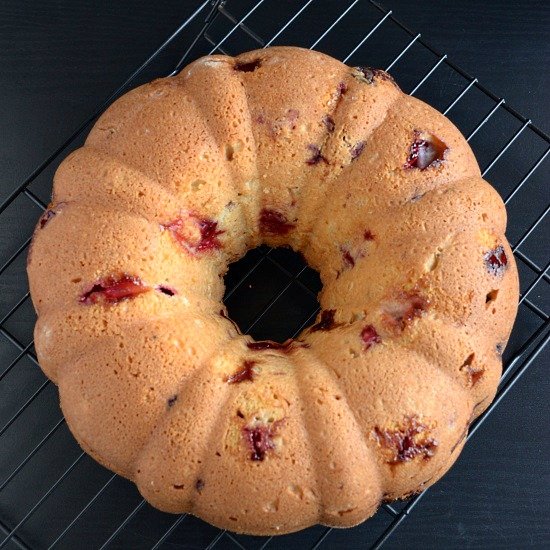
[(49, 213), (357, 149), (416, 197), (348, 259), (292, 116), (496, 260), (172, 400), (46, 217), (425, 150), (326, 322), (245, 373), (383, 75), (285, 347), (274, 222), (209, 235), (369, 336), (407, 442), (366, 74), (401, 310), (342, 88), (207, 229), (369, 75), (260, 439), (112, 290), (199, 485), (328, 121), (316, 156), (248, 67), (268, 344), (368, 235)]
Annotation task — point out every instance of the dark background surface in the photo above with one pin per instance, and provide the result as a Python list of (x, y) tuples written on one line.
[(60, 59)]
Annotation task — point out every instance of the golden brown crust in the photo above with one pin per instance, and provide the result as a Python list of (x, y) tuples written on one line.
[(382, 195)]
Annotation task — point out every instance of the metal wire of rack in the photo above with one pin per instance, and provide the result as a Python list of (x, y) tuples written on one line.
[(224, 31)]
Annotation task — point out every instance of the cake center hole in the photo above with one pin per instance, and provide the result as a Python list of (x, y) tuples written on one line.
[(271, 294)]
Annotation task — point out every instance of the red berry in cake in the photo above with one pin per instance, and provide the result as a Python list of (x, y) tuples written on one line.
[(280, 125), (316, 156), (274, 222), (416, 197), (268, 344), (172, 401), (209, 235), (402, 309), (46, 217), (347, 258), (195, 234), (425, 150), (285, 347), (112, 290), (328, 121), (369, 337), (292, 115), (365, 74), (249, 66), (369, 75), (326, 322), (351, 254), (496, 260), (259, 438), (342, 88), (368, 235), (49, 213), (199, 485), (407, 441), (245, 373), (357, 149)]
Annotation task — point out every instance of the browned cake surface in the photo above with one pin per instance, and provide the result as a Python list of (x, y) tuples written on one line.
[(382, 195)]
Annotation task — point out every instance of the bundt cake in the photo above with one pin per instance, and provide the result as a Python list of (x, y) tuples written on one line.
[(379, 192)]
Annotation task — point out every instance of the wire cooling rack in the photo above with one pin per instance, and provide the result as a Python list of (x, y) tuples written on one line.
[(51, 494)]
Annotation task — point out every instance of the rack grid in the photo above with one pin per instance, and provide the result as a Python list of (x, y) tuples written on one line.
[(511, 151)]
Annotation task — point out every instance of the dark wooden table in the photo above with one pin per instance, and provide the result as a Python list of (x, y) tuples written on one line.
[(59, 59)]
